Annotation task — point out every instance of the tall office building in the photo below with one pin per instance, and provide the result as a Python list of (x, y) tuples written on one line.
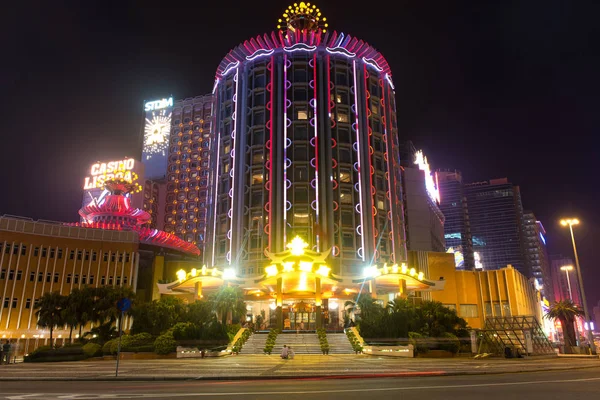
[(307, 145), (457, 225), (422, 215), (496, 215), (176, 153), (535, 252)]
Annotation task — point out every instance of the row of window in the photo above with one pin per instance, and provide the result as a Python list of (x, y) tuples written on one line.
[(52, 252), (18, 275)]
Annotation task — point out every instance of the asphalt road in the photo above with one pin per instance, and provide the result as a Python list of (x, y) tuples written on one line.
[(574, 384)]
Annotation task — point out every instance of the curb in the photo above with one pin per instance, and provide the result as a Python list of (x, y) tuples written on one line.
[(416, 374)]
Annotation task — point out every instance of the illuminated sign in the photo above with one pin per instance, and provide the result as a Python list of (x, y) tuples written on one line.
[(430, 184), (158, 104), (102, 172), (478, 263), (157, 131)]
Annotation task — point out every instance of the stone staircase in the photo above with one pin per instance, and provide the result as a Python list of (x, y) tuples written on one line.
[(255, 344), (301, 343), (339, 344)]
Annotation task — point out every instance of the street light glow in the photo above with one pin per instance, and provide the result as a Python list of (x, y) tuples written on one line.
[(567, 268), (569, 221)]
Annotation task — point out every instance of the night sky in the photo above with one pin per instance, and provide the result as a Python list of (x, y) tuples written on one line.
[(493, 88)]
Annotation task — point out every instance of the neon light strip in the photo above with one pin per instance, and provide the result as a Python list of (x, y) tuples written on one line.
[(316, 145), (215, 198), (300, 47), (389, 79), (271, 202), (371, 169), (284, 147), (340, 50), (362, 211), (372, 63), (230, 67), (232, 151), (215, 86), (340, 40), (259, 53), (390, 171)]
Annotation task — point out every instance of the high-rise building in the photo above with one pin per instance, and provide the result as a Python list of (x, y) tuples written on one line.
[(535, 252), (306, 145), (422, 215), (457, 225), (496, 215), (188, 169), (176, 153), (564, 279)]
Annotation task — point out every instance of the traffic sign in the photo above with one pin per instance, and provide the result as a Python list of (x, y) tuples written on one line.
[(124, 304)]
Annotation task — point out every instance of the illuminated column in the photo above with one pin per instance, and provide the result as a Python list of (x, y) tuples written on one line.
[(279, 311), (318, 301), (373, 288), (402, 289), (198, 290)]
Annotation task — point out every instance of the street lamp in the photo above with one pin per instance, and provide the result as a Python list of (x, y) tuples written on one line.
[(568, 268), (570, 222)]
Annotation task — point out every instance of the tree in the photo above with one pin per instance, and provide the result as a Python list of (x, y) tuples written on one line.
[(435, 320), (366, 305), (105, 300), (158, 316), (566, 311), (79, 308), (229, 303), (49, 312)]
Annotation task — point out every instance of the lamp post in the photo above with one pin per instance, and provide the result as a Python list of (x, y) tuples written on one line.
[(570, 222), (568, 268)]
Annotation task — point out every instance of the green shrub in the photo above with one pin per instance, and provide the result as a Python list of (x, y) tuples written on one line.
[(449, 342), (66, 353), (92, 350), (107, 347), (165, 343)]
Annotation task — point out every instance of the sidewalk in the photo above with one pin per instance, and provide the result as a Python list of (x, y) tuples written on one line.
[(243, 367)]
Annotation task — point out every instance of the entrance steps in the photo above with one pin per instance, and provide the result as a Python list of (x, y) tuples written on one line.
[(339, 344), (301, 343), (255, 344)]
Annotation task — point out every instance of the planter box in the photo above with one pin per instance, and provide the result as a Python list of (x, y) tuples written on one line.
[(390, 351), (193, 352)]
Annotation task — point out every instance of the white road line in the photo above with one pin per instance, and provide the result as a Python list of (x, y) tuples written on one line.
[(14, 396)]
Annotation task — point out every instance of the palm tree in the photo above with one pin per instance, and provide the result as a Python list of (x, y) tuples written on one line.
[(566, 311), (78, 309), (366, 304), (229, 303), (49, 313)]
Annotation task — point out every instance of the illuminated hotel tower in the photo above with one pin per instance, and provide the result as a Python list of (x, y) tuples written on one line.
[(306, 144)]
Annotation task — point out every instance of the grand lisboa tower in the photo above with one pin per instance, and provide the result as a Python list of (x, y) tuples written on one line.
[(306, 146)]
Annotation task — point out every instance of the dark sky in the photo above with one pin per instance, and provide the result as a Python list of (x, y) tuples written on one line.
[(493, 88)]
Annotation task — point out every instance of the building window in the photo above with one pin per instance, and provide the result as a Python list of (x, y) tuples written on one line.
[(40, 277), (15, 250), (110, 280), (3, 274), (380, 204), (28, 303), (31, 276), (36, 251), (103, 280), (87, 256), (348, 240), (48, 277), (11, 275), (59, 254), (72, 255), (121, 257), (127, 257), (7, 249), (56, 277), (19, 275), (94, 256), (342, 116), (301, 217), (374, 109), (124, 280), (468, 311), (14, 303), (52, 253), (6, 302), (76, 280), (44, 251), (68, 278), (345, 176), (257, 178), (23, 250), (84, 279), (91, 279), (450, 306), (302, 114), (79, 255), (113, 257), (105, 257), (118, 281)]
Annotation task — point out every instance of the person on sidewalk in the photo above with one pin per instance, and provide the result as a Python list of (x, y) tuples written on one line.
[(291, 353), (284, 352), (6, 352)]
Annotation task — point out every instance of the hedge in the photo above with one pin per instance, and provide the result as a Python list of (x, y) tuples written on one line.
[(165, 343)]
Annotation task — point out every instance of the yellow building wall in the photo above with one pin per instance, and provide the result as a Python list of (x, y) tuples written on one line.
[(499, 293), (33, 264)]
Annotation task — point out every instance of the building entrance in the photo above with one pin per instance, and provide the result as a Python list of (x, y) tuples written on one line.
[(300, 316)]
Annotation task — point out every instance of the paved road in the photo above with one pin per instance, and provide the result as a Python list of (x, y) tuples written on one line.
[(262, 366), (574, 385)]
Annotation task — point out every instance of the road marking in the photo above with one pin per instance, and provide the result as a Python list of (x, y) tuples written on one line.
[(75, 396)]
